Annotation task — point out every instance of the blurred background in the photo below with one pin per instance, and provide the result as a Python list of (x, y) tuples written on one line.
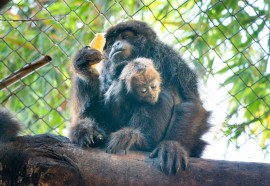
[(226, 42)]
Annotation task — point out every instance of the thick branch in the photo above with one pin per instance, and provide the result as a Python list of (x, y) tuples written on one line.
[(24, 71), (52, 160)]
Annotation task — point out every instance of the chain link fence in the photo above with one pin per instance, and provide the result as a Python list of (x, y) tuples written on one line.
[(226, 42)]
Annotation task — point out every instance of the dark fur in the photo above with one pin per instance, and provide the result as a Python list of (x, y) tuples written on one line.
[(136, 116), (147, 126), (172, 141), (147, 120), (9, 127)]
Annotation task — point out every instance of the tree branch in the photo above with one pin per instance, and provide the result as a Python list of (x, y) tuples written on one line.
[(53, 160), (24, 71)]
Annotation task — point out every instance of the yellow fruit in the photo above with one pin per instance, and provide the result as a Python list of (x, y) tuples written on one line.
[(98, 42)]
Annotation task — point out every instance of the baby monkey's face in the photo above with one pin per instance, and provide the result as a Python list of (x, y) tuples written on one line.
[(145, 85)]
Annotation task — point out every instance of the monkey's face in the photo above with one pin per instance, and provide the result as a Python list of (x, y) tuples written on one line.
[(127, 41), (145, 86), (119, 47)]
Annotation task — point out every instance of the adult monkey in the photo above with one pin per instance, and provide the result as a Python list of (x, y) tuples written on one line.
[(125, 42)]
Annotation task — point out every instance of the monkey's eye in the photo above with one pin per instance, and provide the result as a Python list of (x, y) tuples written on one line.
[(127, 35), (143, 90), (109, 44), (153, 86)]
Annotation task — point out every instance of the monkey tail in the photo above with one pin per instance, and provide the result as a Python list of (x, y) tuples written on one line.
[(9, 126)]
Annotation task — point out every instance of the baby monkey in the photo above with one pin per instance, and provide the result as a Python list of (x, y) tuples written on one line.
[(138, 84), (142, 81), (144, 112), (137, 99)]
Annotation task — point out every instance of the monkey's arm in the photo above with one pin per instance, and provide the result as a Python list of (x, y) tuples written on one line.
[(85, 99), (85, 82)]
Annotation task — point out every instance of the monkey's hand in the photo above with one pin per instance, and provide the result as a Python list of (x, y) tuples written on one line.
[(124, 139), (86, 133), (84, 59), (171, 155)]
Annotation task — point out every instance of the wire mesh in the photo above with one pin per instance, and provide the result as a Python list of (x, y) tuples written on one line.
[(226, 42)]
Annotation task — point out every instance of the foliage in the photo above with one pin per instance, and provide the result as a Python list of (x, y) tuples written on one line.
[(227, 40)]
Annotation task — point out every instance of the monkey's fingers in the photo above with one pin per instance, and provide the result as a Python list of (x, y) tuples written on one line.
[(112, 146), (93, 56), (83, 141), (100, 137), (159, 152), (181, 160), (111, 149), (170, 160), (184, 163), (178, 163), (91, 139), (118, 144), (89, 136), (87, 56), (98, 134), (175, 160), (123, 139), (171, 156), (154, 153), (88, 141), (162, 158)]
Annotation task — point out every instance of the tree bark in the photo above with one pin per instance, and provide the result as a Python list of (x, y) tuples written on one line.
[(52, 160)]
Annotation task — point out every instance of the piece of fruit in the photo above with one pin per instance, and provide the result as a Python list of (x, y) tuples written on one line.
[(97, 43)]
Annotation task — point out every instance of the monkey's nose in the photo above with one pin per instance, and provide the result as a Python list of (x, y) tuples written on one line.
[(117, 44)]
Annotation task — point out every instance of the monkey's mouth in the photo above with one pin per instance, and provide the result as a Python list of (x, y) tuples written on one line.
[(152, 100), (116, 52)]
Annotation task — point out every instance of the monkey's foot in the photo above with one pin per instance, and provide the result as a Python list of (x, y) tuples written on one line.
[(87, 134), (172, 157), (124, 139)]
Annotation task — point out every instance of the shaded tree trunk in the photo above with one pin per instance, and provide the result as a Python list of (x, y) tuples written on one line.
[(52, 160)]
